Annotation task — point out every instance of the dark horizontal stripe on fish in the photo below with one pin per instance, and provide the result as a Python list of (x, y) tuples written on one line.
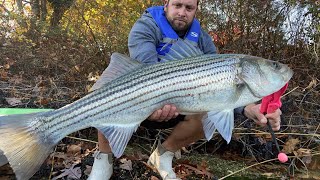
[(146, 86), (113, 85), (101, 92), (128, 101), (96, 114), (183, 89), (89, 115), (165, 93)]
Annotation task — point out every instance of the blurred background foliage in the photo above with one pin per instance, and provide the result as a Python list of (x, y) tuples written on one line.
[(70, 41), (256, 27)]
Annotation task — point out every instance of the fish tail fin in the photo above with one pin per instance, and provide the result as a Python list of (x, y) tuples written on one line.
[(25, 147)]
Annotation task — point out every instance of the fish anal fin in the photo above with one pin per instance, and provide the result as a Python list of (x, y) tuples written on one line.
[(223, 121), (118, 136)]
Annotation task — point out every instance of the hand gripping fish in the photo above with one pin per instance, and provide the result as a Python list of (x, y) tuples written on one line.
[(129, 91)]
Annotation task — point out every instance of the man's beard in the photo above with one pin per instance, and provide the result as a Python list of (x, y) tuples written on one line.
[(179, 25)]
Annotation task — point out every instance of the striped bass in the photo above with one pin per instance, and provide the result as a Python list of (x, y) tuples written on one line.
[(128, 92)]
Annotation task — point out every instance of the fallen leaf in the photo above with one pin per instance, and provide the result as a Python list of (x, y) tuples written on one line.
[(13, 101), (303, 152), (88, 170), (315, 163), (154, 178), (203, 166), (59, 155), (185, 150), (182, 171), (77, 68), (42, 101), (53, 54), (290, 145), (268, 174), (74, 149), (177, 154), (72, 172), (7, 66), (313, 83), (307, 159), (126, 164), (16, 79), (141, 156), (3, 74), (202, 171), (137, 156), (93, 77)]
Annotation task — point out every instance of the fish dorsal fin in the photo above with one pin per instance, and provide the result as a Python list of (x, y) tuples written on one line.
[(222, 121), (118, 136), (119, 65), (182, 48)]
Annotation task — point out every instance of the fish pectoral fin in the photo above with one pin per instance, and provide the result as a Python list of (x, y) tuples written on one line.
[(118, 136), (119, 65), (223, 121)]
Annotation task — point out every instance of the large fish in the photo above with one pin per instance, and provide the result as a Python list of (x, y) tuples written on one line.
[(128, 92)]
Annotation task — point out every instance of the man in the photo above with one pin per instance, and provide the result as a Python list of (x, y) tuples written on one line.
[(151, 36)]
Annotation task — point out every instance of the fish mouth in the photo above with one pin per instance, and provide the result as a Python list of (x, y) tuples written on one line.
[(287, 73)]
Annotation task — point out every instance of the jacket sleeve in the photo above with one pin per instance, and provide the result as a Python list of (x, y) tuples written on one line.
[(206, 43), (142, 40)]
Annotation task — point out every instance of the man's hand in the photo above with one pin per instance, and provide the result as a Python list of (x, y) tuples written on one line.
[(252, 111), (166, 113)]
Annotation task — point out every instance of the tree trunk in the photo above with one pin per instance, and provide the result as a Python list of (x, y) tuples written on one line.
[(43, 10), (21, 21), (35, 9), (59, 8)]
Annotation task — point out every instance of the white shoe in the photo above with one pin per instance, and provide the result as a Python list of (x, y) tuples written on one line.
[(161, 159), (102, 168)]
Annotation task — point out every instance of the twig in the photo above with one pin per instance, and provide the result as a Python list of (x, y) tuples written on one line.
[(313, 137), (303, 165), (200, 145), (265, 133), (315, 51), (86, 140), (290, 92), (263, 163), (52, 163), (141, 137), (247, 168), (146, 150)]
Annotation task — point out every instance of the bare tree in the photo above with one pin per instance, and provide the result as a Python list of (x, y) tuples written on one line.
[(59, 8)]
